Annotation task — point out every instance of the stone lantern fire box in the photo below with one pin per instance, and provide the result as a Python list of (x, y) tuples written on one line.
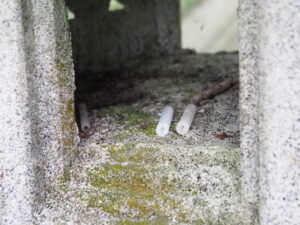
[(238, 164)]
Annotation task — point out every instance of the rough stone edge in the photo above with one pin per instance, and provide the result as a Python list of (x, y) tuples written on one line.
[(269, 107), (279, 122), (249, 97), (16, 163), (37, 82)]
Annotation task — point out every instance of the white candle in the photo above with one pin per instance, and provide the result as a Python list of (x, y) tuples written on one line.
[(186, 120), (165, 120), (84, 118)]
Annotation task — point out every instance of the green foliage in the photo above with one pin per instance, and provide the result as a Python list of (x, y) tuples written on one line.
[(187, 5), (115, 5)]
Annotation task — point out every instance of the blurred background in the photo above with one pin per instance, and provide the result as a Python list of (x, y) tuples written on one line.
[(206, 25), (209, 25)]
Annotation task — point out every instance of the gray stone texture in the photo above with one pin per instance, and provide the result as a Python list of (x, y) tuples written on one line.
[(36, 94), (38, 131), (125, 174), (249, 109), (106, 40), (270, 106)]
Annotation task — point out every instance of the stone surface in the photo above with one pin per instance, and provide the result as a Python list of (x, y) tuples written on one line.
[(126, 174), (36, 94), (269, 50), (106, 40), (249, 99)]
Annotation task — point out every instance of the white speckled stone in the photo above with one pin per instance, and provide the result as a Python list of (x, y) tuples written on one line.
[(249, 109), (270, 110), (36, 98), (125, 174)]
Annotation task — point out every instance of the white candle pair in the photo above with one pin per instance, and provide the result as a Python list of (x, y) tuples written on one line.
[(183, 125)]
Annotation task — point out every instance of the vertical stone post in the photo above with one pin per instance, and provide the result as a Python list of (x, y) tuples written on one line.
[(249, 97), (37, 134), (270, 110)]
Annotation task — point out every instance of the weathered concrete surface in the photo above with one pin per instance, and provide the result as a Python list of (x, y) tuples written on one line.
[(106, 40), (126, 174), (249, 99), (36, 96), (270, 106)]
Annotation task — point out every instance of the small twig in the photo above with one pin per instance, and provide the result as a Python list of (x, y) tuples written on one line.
[(204, 102), (204, 97), (223, 135)]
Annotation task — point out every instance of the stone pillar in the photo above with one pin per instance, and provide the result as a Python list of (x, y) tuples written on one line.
[(249, 109), (270, 110), (37, 135)]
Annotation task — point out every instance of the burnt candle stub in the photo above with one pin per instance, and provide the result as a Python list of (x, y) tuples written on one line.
[(165, 120), (186, 120), (85, 124)]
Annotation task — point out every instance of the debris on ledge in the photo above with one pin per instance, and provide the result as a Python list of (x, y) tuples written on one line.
[(126, 174)]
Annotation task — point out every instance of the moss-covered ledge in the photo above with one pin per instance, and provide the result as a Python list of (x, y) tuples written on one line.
[(126, 174)]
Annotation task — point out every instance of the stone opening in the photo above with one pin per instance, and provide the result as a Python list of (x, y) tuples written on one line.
[(119, 45), (124, 173), (129, 64), (111, 38)]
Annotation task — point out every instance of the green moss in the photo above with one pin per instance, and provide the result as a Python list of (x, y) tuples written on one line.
[(62, 186), (150, 129), (131, 223), (134, 188), (199, 222), (121, 136), (133, 181), (63, 66), (133, 120), (68, 125), (65, 49), (155, 222), (64, 79), (65, 83), (64, 178), (132, 154)]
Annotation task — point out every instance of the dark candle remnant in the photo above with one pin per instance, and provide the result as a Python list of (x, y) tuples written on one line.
[(223, 135)]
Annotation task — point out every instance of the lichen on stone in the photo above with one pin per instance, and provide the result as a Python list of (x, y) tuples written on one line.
[(125, 174)]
